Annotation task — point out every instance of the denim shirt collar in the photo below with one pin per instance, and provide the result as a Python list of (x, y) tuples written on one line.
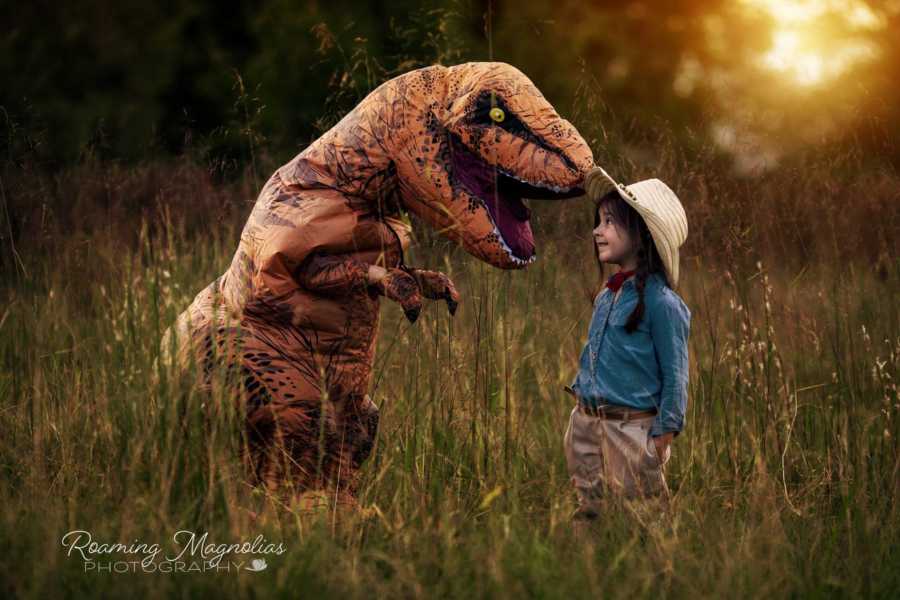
[(653, 278)]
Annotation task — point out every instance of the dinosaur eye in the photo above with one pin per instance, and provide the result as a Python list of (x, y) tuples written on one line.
[(497, 115)]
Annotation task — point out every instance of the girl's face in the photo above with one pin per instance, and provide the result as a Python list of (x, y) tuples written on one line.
[(614, 245)]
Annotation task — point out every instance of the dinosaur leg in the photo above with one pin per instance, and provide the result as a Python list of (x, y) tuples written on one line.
[(288, 447), (310, 445), (309, 424), (295, 439)]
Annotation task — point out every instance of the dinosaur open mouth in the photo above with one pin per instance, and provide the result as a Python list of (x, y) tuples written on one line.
[(502, 193)]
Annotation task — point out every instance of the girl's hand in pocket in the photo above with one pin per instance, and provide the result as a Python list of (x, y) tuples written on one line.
[(662, 443)]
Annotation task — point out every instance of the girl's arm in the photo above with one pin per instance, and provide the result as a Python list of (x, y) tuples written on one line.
[(670, 324)]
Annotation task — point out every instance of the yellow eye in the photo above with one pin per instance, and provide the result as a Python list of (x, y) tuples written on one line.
[(497, 115)]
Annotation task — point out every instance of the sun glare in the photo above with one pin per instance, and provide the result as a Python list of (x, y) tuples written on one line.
[(800, 49)]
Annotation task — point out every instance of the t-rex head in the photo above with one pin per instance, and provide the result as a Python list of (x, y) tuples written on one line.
[(463, 146), (477, 139)]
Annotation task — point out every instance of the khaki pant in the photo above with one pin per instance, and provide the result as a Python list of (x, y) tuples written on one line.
[(610, 457)]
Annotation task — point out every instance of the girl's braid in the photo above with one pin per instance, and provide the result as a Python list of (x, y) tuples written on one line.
[(644, 268)]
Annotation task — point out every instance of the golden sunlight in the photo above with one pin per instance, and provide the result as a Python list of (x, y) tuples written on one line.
[(803, 49)]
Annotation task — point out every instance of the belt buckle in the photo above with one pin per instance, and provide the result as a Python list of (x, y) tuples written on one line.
[(590, 410)]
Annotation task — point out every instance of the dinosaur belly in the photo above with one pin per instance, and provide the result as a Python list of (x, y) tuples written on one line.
[(290, 344)]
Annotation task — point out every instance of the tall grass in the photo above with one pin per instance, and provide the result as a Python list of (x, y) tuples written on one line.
[(785, 480)]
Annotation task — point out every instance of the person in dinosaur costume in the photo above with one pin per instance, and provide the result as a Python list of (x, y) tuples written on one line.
[(296, 313)]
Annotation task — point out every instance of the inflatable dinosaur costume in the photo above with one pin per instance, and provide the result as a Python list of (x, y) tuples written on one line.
[(295, 315)]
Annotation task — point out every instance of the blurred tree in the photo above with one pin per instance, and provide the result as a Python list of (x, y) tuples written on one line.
[(89, 76), (127, 80)]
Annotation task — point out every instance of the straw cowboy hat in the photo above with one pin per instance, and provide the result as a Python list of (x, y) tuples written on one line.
[(658, 206)]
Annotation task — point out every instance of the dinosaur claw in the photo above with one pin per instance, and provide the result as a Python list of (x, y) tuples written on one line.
[(412, 314)]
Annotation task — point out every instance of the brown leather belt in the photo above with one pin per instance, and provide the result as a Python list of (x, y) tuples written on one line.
[(615, 413), (609, 411)]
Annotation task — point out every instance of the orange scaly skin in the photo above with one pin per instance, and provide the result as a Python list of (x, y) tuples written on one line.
[(294, 316)]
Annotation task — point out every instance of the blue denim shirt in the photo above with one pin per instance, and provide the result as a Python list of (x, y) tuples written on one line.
[(645, 369)]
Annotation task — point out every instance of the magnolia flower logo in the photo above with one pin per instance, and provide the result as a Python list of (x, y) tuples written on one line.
[(258, 564)]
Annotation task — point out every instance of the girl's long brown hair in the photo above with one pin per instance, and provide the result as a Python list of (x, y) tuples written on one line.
[(648, 260)]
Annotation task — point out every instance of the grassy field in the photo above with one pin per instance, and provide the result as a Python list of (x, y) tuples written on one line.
[(785, 481)]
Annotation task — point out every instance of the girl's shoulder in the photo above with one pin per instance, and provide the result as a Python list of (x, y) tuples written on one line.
[(664, 300), (604, 291)]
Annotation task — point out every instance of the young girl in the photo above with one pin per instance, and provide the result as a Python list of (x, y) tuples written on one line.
[(631, 386)]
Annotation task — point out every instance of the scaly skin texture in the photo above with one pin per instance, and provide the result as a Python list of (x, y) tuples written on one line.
[(294, 317)]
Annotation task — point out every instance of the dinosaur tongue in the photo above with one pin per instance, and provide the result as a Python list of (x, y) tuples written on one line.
[(506, 208), (511, 218)]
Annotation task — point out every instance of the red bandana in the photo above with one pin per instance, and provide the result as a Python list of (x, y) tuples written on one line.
[(616, 281)]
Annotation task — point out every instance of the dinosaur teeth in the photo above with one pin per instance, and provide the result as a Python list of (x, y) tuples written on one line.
[(551, 187), (509, 251)]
